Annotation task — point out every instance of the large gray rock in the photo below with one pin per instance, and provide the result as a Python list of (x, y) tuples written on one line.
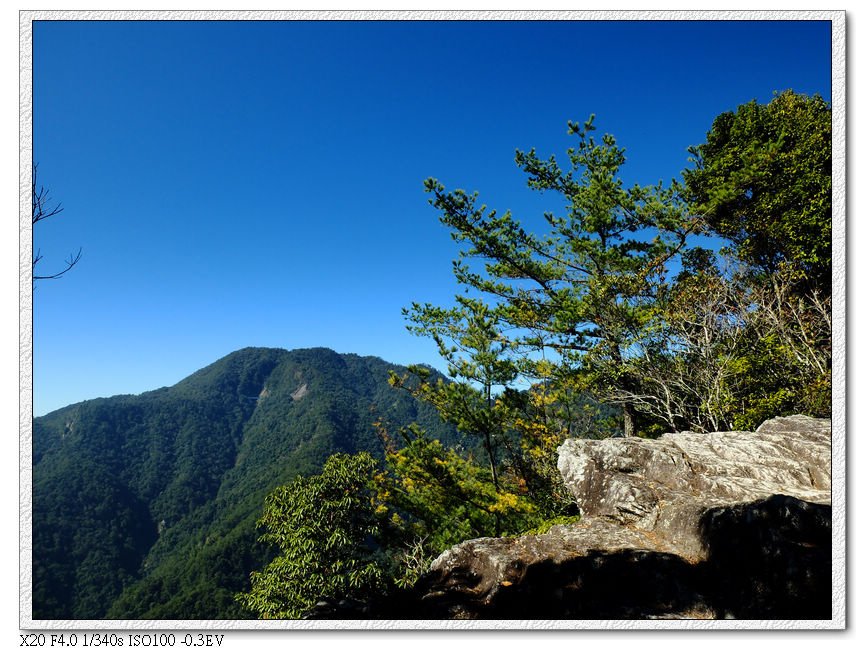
[(666, 486), (733, 524)]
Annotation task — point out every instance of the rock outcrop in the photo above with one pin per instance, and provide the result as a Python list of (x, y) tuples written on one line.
[(666, 486), (720, 525)]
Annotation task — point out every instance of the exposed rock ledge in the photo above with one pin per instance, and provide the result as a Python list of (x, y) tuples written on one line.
[(732, 524)]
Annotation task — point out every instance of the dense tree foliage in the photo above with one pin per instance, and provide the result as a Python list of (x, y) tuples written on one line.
[(90, 534), (444, 497), (747, 336), (510, 488), (328, 533), (763, 178)]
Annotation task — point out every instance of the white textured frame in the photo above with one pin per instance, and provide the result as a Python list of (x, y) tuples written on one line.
[(839, 215)]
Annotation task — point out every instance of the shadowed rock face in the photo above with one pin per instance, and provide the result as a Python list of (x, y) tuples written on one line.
[(732, 524), (770, 559), (577, 571)]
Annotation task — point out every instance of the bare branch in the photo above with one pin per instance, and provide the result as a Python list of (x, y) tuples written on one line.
[(72, 261), (42, 209)]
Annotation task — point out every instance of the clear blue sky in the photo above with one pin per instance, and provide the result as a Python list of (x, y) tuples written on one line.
[(240, 184)]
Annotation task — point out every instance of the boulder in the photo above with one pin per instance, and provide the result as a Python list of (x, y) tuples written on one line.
[(667, 485), (732, 524)]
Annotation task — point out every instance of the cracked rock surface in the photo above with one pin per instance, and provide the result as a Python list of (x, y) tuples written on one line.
[(666, 485)]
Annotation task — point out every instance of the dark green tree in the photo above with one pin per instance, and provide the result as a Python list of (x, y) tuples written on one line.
[(328, 533), (763, 180)]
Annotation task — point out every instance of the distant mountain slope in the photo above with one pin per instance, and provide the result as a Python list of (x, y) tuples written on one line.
[(145, 506)]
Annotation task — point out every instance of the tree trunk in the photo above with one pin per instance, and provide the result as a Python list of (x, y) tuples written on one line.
[(627, 409), (628, 412)]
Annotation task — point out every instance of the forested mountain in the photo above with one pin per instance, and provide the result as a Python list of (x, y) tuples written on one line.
[(145, 506)]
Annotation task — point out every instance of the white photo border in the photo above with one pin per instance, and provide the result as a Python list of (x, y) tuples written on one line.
[(839, 243)]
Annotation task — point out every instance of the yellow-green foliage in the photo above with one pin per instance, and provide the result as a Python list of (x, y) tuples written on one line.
[(446, 498), (545, 526)]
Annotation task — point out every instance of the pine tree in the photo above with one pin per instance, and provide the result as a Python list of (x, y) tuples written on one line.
[(583, 292)]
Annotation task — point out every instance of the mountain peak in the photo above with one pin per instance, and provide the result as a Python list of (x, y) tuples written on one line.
[(199, 456)]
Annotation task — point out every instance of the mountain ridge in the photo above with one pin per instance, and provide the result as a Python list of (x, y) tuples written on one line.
[(182, 473)]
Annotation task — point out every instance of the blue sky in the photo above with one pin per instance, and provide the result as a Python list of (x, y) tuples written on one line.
[(240, 184)]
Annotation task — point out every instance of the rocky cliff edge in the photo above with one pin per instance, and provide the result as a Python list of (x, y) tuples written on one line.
[(723, 525)]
